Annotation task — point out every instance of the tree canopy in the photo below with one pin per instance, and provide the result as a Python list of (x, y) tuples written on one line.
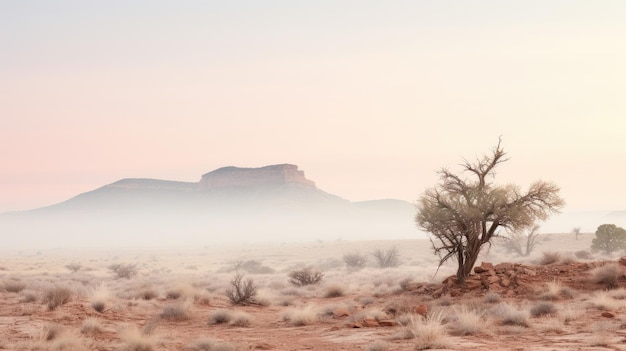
[(463, 214), (609, 238)]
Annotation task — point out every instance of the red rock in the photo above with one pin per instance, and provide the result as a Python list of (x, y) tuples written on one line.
[(388, 323), (487, 266), (340, 313), (370, 323), (450, 280), (421, 309), (473, 284), (455, 292), (479, 270), (608, 315), (622, 261), (505, 282)]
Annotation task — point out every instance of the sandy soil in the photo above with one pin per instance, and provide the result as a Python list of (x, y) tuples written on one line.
[(378, 309)]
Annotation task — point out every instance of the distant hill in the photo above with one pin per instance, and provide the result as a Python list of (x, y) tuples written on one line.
[(229, 205)]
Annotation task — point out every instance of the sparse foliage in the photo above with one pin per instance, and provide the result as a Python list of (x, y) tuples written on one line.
[(74, 267), (355, 261), (549, 257), (56, 297), (242, 292), (522, 243), (608, 274), (609, 238), (305, 276), (464, 214), (387, 258), (576, 232), (123, 270)]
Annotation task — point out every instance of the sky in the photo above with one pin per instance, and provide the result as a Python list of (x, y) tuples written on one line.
[(369, 98)]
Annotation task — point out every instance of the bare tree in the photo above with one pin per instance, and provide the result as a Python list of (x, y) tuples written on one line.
[(464, 214), (387, 258), (576, 232), (522, 243)]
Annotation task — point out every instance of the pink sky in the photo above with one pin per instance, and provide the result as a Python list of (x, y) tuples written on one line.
[(368, 99)]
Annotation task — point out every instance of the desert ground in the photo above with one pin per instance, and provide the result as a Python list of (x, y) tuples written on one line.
[(561, 297)]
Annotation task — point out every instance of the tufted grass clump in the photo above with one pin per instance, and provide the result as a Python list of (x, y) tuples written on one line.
[(56, 296)]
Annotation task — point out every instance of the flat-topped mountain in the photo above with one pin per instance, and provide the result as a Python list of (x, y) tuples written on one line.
[(230, 204)]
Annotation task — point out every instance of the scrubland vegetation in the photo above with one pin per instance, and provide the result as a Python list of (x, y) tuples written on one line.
[(330, 294)]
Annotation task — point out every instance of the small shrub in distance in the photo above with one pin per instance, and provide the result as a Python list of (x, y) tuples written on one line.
[(14, 285), (91, 326), (56, 297), (50, 331), (468, 321), (333, 290), (608, 274), (122, 270), (305, 276), (492, 297), (549, 257), (355, 261), (583, 255), (387, 258), (220, 317), (74, 267), (177, 311), (543, 309), (134, 340), (210, 345), (242, 292)]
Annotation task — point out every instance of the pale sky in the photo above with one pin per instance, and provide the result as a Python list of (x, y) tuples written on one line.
[(369, 98)]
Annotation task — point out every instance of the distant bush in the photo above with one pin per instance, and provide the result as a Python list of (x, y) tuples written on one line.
[(249, 266), (122, 270), (177, 311), (355, 260), (74, 267), (334, 290), (305, 276), (543, 309), (609, 238), (583, 255), (609, 274), (14, 285), (220, 317), (549, 257), (242, 292), (211, 345), (56, 297), (387, 258)]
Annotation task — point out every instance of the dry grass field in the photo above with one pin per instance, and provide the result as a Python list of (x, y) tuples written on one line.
[(559, 298)]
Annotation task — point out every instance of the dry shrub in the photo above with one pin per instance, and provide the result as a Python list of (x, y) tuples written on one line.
[(355, 261), (429, 333), (134, 340), (28, 297), (242, 292), (211, 345), (220, 317), (508, 315), (177, 311), (583, 255), (554, 291), (608, 274), (147, 294), (300, 317), (492, 297), (91, 326), (74, 267), (14, 285), (549, 257), (543, 309), (468, 321), (50, 331), (334, 290), (98, 299), (241, 319), (305, 276), (387, 258), (56, 297), (604, 301), (123, 270)]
